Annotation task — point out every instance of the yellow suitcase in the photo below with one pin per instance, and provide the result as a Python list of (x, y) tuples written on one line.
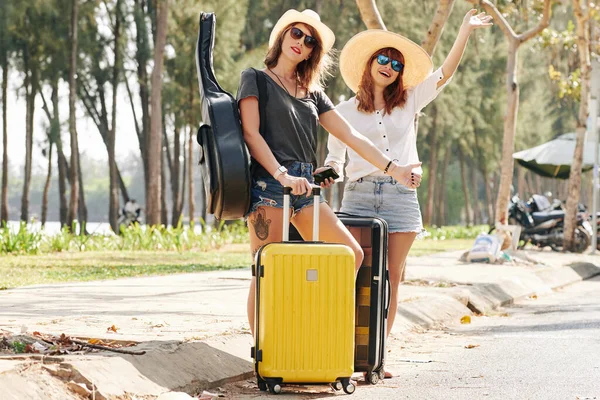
[(304, 319)]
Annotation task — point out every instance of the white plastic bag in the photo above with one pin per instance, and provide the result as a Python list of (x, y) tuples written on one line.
[(485, 249)]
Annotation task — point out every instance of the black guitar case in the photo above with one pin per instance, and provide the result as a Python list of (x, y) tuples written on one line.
[(224, 157)]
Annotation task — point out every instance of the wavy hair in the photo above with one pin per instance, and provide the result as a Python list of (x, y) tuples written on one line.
[(394, 94)]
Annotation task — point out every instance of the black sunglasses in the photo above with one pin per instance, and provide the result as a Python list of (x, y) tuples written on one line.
[(397, 66), (309, 41)]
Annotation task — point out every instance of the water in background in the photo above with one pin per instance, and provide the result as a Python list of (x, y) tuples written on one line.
[(53, 227)]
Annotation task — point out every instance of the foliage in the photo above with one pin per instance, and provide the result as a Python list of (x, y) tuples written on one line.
[(135, 238), (455, 232)]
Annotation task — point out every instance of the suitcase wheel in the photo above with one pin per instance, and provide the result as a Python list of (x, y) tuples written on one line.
[(336, 386), (275, 389), (373, 377), (348, 386), (381, 374), (262, 385)]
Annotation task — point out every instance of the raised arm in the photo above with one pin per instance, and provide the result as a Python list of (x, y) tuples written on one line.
[(336, 125), (471, 22)]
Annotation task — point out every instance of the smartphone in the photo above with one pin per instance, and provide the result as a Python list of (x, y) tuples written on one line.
[(326, 174)]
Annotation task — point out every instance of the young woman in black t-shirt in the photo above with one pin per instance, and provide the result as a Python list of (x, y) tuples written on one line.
[(296, 64)]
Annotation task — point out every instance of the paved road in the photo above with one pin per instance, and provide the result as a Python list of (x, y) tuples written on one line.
[(541, 348)]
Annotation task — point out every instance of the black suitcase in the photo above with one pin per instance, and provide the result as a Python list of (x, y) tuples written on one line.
[(372, 294)]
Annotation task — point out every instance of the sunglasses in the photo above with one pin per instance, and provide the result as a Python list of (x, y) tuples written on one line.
[(297, 34), (385, 60)]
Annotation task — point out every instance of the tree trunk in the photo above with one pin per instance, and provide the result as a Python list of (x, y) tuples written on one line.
[(153, 190), (433, 161), (4, 199), (437, 25), (175, 176), (30, 108), (512, 98), (477, 216), (486, 182), (190, 161), (61, 159), (113, 193), (142, 56), (47, 183), (582, 16), (183, 176), (465, 186), (74, 199), (370, 14), (510, 126), (442, 207), (82, 208), (164, 215)]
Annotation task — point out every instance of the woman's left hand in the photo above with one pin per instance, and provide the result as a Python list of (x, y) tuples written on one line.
[(474, 21), (329, 181)]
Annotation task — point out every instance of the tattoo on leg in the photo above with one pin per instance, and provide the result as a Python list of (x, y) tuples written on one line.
[(261, 224)]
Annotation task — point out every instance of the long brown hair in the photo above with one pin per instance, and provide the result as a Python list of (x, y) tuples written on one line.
[(394, 94), (312, 72)]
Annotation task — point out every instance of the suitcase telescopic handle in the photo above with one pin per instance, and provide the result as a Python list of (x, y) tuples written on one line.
[(316, 191)]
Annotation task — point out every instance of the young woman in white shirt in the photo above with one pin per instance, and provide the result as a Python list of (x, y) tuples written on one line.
[(295, 66), (393, 82)]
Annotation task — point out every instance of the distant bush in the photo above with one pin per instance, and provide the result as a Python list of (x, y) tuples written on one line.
[(455, 232), (137, 237)]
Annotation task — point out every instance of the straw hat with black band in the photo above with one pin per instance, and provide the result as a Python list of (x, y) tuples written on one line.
[(308, 17), (359, 49)]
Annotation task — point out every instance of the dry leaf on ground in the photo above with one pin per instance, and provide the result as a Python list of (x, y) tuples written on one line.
[(471, 346), (466, 319)]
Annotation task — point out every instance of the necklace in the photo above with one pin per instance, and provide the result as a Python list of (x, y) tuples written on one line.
[(284, 88)]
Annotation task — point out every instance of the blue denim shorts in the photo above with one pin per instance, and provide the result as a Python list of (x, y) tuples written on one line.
[(268, 192), (386, 198)]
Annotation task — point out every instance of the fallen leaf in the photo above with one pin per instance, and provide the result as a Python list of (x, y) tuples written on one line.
[(36, 333), (466, 319), (471, 346), (94, 341), (112, 328)]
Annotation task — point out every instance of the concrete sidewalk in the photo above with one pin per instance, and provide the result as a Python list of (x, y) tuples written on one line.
[(194, 330)]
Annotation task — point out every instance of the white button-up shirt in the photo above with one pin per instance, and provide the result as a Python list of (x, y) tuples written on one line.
[(394, 134)]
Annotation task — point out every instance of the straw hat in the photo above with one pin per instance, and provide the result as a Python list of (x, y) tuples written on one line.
[(308, 17), (362, 46)]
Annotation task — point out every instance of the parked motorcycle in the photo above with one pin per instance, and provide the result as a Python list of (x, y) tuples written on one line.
[(545, 228), (130, 214)]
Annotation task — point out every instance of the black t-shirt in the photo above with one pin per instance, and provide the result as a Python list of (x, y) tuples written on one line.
[(292, 123)]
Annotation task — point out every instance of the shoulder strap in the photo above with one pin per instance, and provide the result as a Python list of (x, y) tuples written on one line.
[(262, 100)]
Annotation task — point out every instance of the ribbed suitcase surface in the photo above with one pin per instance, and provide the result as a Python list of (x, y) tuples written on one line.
[(305, 319)]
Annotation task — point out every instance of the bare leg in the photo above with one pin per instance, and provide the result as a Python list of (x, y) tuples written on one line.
[(265, 226), (331, 230), (398, 247)]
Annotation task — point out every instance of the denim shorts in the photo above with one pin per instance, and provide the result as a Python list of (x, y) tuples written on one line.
[(386, 198), (267, 191)]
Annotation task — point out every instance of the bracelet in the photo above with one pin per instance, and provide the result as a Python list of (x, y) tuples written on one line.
[(387, 167)]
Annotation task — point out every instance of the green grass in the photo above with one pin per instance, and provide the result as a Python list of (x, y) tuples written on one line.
[(22, 270), (430, 246), (76, 266)]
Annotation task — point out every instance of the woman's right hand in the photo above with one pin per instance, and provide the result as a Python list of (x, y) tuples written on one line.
[(405, 175), (299, 185)]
